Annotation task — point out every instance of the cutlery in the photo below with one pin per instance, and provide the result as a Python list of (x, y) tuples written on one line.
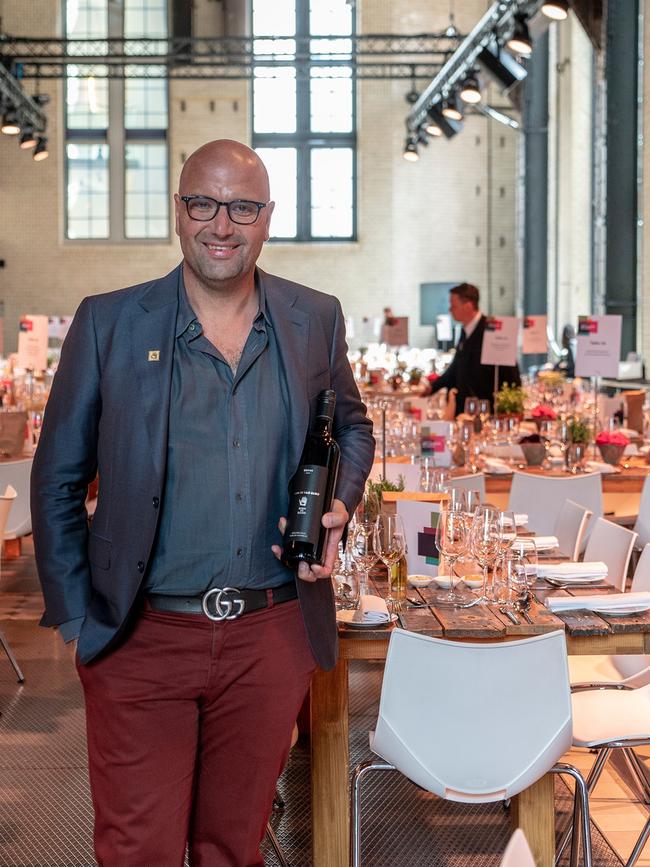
[(558, 582), (512, 617)]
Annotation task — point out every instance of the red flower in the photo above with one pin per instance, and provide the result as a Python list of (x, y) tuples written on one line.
[(605, 438), (542, 410)]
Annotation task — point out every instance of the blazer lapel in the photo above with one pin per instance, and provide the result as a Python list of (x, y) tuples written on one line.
[(291, 327), (152, 336)]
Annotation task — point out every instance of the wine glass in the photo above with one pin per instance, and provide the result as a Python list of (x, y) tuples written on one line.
[(471, 407), (472, 502), (363, 552), (455, 498), (507, 529), (369, 507), (528, 552), (483, 410), (389, 542), (451, 542), (485, 542)]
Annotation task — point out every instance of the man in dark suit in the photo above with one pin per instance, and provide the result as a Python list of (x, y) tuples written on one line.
[(466, 373), (191, 396)]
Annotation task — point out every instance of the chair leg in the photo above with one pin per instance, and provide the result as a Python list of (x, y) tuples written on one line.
[(278, 801), (638, 773), (580, 810), (638, 846), (592, 779), (275, 844), (11, 657), (360, 772)]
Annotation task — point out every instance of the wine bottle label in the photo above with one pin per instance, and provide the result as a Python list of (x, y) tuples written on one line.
[(307, 504)]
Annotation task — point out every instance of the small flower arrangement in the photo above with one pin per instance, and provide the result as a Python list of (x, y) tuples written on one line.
[(606, 438), (579, 432), (509, 400), (544, 411)]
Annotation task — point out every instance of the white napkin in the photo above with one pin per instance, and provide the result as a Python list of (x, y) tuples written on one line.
[(521, 519), (544, 541), (600, 467), (612, 601), (571, 569), (504, 451), (372, 609), (496, 465)]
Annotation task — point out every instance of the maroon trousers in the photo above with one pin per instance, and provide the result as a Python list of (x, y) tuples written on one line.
[(189, 725)]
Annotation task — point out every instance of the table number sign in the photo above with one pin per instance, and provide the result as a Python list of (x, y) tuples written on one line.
[(420, 522), (32, 343), (534, 338), (500, 341), (599, 345)]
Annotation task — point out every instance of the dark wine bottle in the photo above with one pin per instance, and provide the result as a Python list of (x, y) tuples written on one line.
[(312, 489)]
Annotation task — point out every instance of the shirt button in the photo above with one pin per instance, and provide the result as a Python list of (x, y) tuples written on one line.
[(239, 498), (240, 552), (140, 566), (155, 502), (192, 327), (236, 443)]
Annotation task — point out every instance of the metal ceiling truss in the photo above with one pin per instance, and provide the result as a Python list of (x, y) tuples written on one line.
[(12, 96), (373, 56)]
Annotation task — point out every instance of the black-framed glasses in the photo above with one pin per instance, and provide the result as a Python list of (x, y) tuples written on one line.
[(204, 208)]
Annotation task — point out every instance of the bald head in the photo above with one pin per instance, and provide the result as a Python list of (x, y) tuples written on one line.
[(224, 157)]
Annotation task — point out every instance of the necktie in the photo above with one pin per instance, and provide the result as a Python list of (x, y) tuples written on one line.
[(461, 341)]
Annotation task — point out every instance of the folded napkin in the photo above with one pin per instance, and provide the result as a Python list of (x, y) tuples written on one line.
[(496, 465), (611, 602), (600, 467), (521, 519), (544, 541), (571, 569), (372, 609)]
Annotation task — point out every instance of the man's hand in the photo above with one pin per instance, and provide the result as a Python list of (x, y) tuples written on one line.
[(425, 389), (335, 521)]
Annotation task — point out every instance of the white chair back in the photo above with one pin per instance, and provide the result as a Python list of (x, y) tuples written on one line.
[(447, 710), (570, 527), (518, 852), (612, 544), (538, 497), (16, 474), (471, 482), (642, 525), (641, 577), (6, 502)]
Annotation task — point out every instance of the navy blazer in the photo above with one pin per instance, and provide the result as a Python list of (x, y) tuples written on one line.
[(108, 413)]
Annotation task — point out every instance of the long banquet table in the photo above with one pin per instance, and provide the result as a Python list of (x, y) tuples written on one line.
[(586, 633)]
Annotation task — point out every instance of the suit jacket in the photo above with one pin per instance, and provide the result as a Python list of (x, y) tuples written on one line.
[(108, 412), (469, 376)]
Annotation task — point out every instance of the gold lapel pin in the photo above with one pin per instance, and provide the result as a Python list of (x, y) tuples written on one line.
[(154, 355)]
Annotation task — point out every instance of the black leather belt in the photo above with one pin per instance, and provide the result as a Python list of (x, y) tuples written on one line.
[(224, 603)]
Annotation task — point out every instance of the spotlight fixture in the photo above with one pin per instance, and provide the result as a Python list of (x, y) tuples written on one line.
[(451, 108), (423, 138), (520, 41), (502, 67), (411, 150), (10, 125), (449, 128), (27, 138), (558, 10), (432, 128), (470, 92), (40, 151)]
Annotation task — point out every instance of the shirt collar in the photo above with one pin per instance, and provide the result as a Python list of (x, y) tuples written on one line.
[(471, 325), (186, 315)]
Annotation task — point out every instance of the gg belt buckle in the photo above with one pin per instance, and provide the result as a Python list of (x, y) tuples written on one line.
[(225, 609)]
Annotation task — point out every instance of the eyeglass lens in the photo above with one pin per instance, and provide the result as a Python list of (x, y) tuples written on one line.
[(239, 211)]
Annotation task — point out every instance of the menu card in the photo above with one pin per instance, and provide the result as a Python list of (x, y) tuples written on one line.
[(534, 338), (420, 522), (433, 442), (32, 343), (500, 341), (599, 345)]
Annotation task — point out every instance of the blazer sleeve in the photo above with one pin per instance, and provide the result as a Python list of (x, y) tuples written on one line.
[(352, 427), (448, 378), (64, 464)]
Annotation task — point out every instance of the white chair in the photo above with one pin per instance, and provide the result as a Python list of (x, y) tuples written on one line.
[(612, 544), (409, 472), (570, 527), (7, 500), (471, 482), (16, 474), (642, 523), (518, 852), (625, 669), (539, 496), (609, 719), (433, 693)]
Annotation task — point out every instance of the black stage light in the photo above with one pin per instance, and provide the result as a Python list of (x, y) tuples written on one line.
[(40, 151), (449, 128), (10, 124), (558, 10), (520, 41), (502, 67), (470, 92), (411, 150), (27, 138), (451, 108)]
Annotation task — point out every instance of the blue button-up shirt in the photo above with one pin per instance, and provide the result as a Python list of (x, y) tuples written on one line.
[(226, 480)]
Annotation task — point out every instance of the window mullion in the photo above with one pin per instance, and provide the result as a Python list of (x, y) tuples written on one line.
[(303, 124), (116, 134)]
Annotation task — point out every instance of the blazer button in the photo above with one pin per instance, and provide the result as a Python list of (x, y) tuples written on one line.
[(140, 566), (156, 502)]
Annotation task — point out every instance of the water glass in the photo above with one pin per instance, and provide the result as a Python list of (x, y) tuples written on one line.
[(363, 552), (451, 542), (455, 498), (389, 542)]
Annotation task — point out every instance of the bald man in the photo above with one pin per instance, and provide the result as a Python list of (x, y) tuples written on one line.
[(191, 397)]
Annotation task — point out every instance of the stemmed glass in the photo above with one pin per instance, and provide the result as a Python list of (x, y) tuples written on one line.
[(389, 542), (507, 529), (456, 499), (472, 502), (368, 508), (527, 552), (451, 542), (485, 542), (471, 407), (483, 410), (363, 552)]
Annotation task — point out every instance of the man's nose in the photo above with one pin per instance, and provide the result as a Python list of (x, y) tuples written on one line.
[(221, 222)]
